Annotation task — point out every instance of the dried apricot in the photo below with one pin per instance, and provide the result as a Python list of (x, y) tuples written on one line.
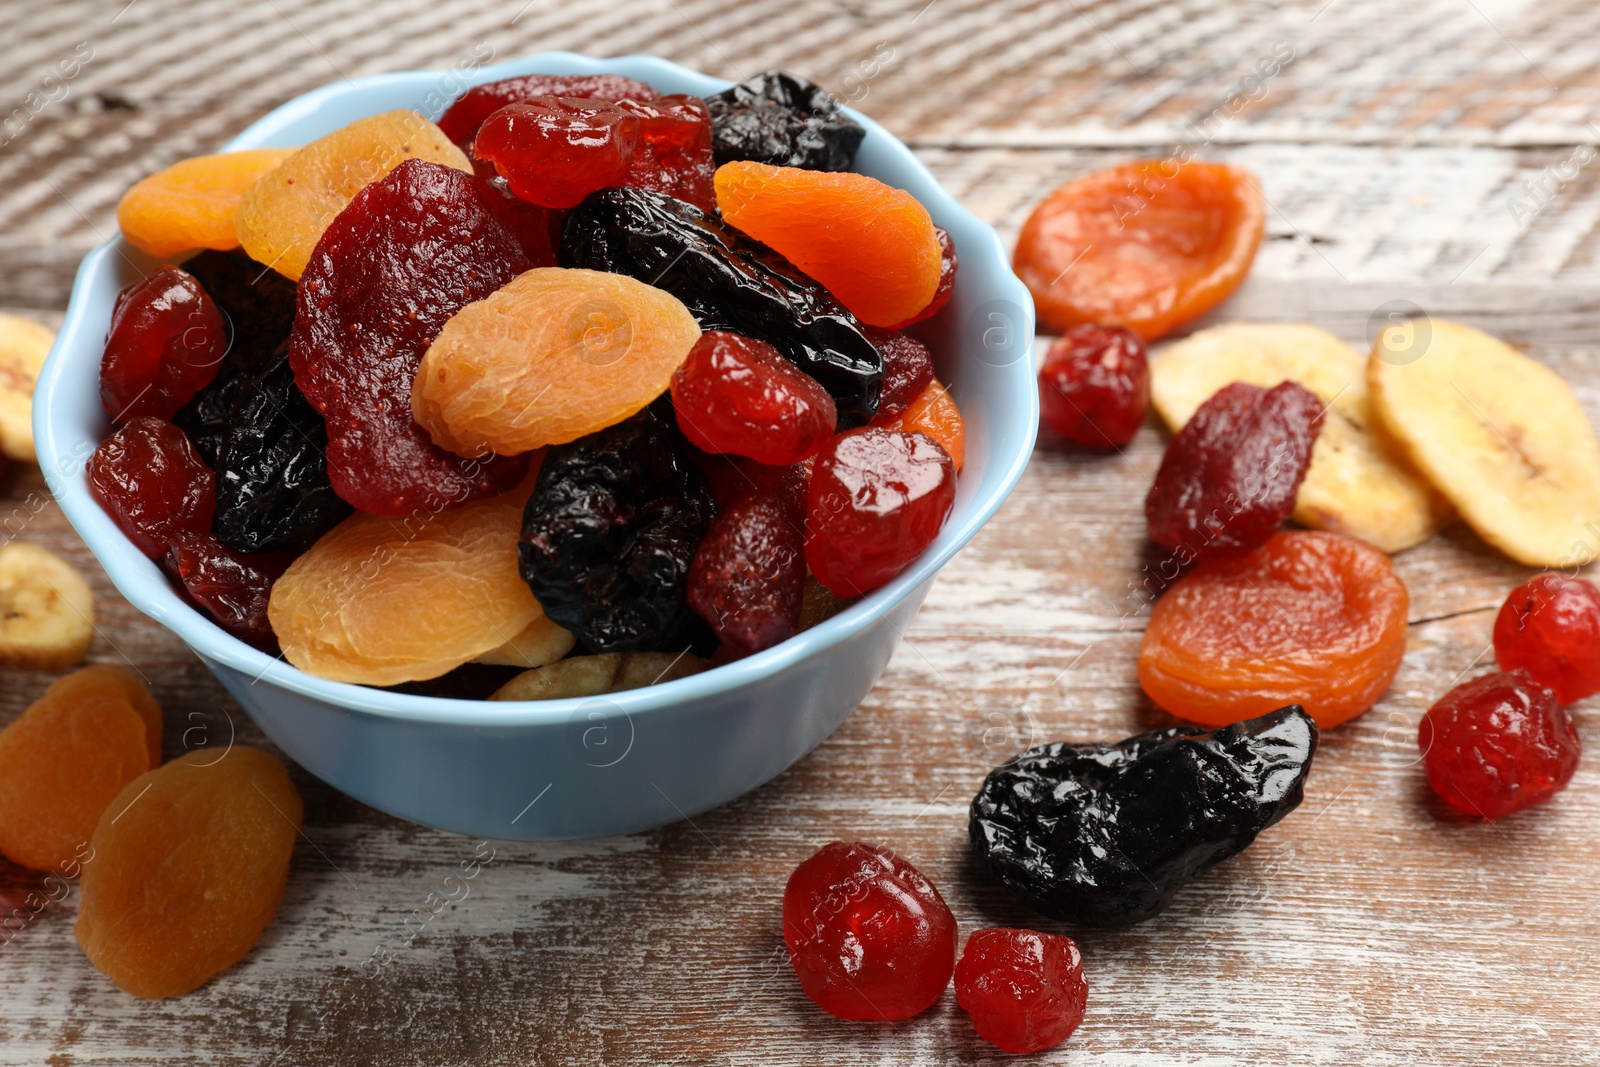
[(380, 601), (1138, 247), (190, 863), (934, 413), (99, 680), (878, 253), (193, 203), (1309, 618), (555, 354), (282, 215), (63, 761)]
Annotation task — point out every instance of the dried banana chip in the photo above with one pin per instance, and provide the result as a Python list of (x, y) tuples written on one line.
[(46, 610), (23, 346)]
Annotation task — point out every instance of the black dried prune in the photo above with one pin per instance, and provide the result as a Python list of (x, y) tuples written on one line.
[(609, 533), (1104, 835), (783, 120), (273, 492), (729, 282)]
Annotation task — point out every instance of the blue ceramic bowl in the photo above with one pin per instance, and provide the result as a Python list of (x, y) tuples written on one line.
[(588, 767)]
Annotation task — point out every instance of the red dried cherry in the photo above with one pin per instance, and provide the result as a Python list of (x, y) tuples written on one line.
[(460, 123), (555, 151), (1550, 627), (1024, 990), (868, 935), (736, 394), (1095, 385), (749, 574), (167, 339), (1498, 744), (233, 587), (877, 499), (1229, 478), (948, 265), (153, 484), (907, 370), (673, 154)]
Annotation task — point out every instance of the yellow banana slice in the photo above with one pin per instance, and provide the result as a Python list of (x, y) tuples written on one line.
[(541, 643), (1358, 483), (608, 672), (1502, 436), (46, 610), (23, 346)]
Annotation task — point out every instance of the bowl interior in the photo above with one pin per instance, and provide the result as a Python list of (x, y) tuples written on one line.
[(981, 342)]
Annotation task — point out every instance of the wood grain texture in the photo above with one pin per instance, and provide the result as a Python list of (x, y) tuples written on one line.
[(1371, 927)]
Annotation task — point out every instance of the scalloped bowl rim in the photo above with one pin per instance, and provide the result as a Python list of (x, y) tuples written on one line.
[(144, 585)]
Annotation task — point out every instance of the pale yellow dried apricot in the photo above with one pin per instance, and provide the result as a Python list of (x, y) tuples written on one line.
[(282, 215), (188, 868), (192, 204), (556, 354)]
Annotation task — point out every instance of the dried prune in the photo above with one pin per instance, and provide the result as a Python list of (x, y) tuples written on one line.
[(783, 120), (610, 532), (1105, 835), (730, 282), (1550, 627), (232, 587), (460, 123), (737, 395), (1498, 744), (1094, 386), (907, 371), (555, 152), (878, 254), (868, 935), (673, 155), (1228, 479), (192, 203), (273, 492), (190, 864), (409, 252), (167, 339), (1024, 990), (749, 575), (152, 483)]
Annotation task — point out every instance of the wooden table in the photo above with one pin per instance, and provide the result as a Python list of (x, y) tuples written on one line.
[(1368, 928)]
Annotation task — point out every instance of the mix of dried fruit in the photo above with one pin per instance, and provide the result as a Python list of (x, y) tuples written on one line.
[(325, 424)]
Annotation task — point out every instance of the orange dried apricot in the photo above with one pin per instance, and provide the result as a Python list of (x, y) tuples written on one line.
[(872, 245), (192, 204), (97, 679), (283, 213), (63, 761), (1150, 245), (555, 354), (1309, 618), (189, 867), (380, 600), (934, 413)]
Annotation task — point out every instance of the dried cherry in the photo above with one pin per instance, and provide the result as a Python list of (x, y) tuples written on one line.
[(749, 574), (153, 484), (736, 394), (232, 587), (1095, 385), (410, 251), (673, 154), (868, 935), (167, 338), (555, 152), (1550, 627), (1106, 835), (1228, 479), (610, 532), (729, 282), (784, 120), (461, 121), (907, 371), (1024, 990), (1498, 744)]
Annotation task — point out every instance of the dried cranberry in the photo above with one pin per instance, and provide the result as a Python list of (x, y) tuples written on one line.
[(948, 265), (907, 370), (749, 574), (1550, 627), (555, 152), (1229, 477), (673, 154), (1024, 990), (736, 394), (410, 250), (1095, 385), (167, 339), (868, 934), (1498, 744), (233, 587), (878, 498), (460, 123), (153, 484)]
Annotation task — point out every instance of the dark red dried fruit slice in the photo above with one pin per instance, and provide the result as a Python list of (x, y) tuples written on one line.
[(555, 152), (232, 587), (409, 252), (1229, 477), (736, 394), (167, 340), (673, 154), (153, 484), (460, 123), (948, 265), (907, 371), (748, 576), (1095, 385)]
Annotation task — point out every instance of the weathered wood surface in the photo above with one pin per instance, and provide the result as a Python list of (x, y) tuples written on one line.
[(1369, 928)]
